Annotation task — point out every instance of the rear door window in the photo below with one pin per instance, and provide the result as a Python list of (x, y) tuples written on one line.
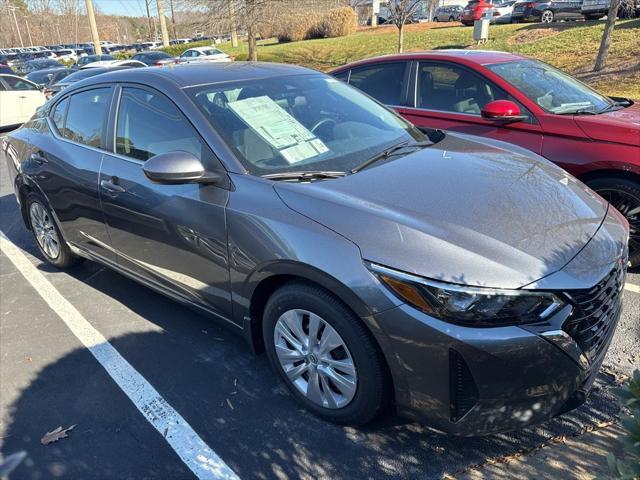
[(59, 113), (15, 83), (383, 81), (86, 116)]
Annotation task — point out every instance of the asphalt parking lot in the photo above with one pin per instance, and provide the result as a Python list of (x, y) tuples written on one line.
[(229, 397)]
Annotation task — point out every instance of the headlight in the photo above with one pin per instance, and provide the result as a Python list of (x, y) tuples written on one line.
[(470, 306)]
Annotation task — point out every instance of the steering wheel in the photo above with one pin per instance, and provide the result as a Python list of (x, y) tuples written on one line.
[(321, 122)]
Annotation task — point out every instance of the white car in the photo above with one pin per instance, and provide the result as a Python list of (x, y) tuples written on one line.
[(500, 12), (66, 54), (114, 63), (19, 99), (203, 54)]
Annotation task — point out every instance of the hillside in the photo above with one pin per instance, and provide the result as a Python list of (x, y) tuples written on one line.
[(571, 46)]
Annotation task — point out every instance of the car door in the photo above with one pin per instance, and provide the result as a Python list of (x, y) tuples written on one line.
[(65, 158), (28, 95), (450, 97), (172, 236), (10, 108)]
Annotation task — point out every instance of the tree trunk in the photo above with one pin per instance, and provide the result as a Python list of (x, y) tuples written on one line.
[(601, 59), (253, 47), (400, 37)]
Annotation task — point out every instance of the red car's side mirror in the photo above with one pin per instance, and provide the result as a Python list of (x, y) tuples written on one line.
[(504, 111)]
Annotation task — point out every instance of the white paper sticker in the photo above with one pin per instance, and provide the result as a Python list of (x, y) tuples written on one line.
[(277, 127)]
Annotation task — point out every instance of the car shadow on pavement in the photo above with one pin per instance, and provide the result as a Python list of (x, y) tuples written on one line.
[(233, 401)]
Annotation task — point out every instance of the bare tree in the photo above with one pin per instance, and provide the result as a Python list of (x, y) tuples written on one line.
[(400, 11), (601, 59)]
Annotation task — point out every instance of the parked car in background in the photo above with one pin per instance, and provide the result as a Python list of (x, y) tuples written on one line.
[(595, 9), (8, 58), (547, 11), (203, 54), (82, 61), (66, 54), (47, 77), (33, 65), (474, 10), (366, 257), (501, 12), (519, 100), (19, 99), (78, 75), (154, 58), (451, 13)]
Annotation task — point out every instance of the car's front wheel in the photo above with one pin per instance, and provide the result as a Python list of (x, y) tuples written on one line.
[(547, 16), (623, 194), (47, 234), (324, 354)]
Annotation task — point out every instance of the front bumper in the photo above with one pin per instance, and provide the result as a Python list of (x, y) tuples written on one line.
[(475, 381)]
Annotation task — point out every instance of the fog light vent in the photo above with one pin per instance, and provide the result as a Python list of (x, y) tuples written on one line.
[(463, 390)]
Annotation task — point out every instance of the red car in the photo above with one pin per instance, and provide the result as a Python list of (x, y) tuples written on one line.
[(473, 11), (521, 101)]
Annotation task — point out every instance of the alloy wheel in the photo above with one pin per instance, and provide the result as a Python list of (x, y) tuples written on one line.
[(315, 358), (629, 206), (547, 16), (44, 230)]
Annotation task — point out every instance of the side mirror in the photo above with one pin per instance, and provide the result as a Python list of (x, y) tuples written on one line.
[(177, 168), (503, 111)]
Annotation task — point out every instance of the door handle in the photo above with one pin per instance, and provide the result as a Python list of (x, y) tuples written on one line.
[(39, 159), (111, 187), (22, 96)]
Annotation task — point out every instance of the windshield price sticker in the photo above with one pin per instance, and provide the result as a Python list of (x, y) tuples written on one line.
[(283, 132)]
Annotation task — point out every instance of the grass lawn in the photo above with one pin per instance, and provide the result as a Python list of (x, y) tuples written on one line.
[(571, 46)]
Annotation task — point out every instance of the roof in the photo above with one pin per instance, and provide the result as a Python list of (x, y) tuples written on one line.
[(480, 57), (192, 74)]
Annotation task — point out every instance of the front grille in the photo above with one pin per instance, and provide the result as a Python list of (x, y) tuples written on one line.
[(596, 311), (463, 392)]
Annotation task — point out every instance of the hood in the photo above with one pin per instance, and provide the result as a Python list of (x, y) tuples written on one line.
[(620, 126), (458, 211)]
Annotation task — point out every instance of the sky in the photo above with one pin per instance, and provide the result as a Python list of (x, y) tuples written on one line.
[(129, 8)]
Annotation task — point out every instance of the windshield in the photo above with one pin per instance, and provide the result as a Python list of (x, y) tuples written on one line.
[(300, 123), (552, 90)]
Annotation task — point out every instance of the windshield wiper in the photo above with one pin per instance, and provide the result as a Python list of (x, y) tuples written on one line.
[(613, 107), (580, 111), (311, 175), (388, 152)]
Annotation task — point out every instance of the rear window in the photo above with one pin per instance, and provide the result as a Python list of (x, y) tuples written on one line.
[(86, 116)]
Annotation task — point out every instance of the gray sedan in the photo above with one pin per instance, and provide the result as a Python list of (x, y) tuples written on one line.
[(473, 285)]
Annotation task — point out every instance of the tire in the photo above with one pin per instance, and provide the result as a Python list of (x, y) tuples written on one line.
[(591, 17), (47, 234), (299, 302), (547, 17), (624, 194)]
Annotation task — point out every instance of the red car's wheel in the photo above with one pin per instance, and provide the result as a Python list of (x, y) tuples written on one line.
[(624, 195)]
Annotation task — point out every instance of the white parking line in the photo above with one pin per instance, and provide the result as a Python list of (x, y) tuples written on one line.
[(632, 288), (200, 459)]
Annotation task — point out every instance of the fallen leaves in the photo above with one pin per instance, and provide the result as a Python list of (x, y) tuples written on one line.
[(56, 435)]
